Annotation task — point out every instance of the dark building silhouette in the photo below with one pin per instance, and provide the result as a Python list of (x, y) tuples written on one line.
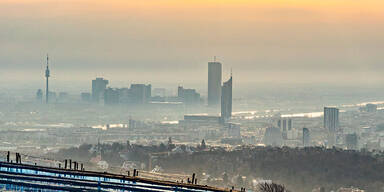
[(52, 97), (214, 83), (226, 100), (188, 96), (284, 125), (39, 96), (202, 118), (63, 96), (306, 137), (124, 95), (273, 137), (159, 92), (370, 108), (351, 141), (148, 93), (86, 97), (136, 94), (132, 124), (234, 130), (289, 124), (98, 87)]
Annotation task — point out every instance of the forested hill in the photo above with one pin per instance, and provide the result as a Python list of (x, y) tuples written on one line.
[(299, 169)]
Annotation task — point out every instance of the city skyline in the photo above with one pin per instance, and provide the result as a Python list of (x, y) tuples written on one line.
[(100, 84), (192, 95)]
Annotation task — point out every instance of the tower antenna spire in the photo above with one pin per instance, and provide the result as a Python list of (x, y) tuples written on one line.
[(47, 75)]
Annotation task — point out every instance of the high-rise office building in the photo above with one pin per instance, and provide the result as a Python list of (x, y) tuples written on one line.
[(331, 123), (214, 83), (98, 88), (331, 119), (226, 100), (306, 137), (289, 124)]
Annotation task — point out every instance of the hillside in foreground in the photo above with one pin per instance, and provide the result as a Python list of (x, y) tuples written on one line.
[(300, 170)]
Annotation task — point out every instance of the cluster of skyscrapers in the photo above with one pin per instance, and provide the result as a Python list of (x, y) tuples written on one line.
[(219, 98), (136, 94), (188, 96), (277, 136), (218, 93)]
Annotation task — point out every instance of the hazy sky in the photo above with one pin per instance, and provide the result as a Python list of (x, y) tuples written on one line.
[(171, 41)]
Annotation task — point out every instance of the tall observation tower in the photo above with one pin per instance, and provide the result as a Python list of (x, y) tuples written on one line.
[(47, 74)]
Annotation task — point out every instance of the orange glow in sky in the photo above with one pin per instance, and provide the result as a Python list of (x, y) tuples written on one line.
[(296, 35)]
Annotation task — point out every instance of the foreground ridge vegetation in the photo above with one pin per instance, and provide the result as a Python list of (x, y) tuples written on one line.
[(299, 169)]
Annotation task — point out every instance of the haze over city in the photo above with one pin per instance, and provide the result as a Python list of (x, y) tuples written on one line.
[(163, 41), (192, 95)]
